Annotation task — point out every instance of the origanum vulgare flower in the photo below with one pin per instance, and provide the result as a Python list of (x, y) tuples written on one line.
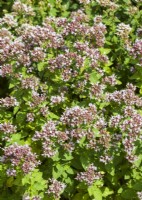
[(90, 175), (21, 156), (55, 188)]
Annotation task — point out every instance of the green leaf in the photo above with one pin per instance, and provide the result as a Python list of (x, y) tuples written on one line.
[(96, 132), (107, 192), (105, 50), (74, 6), (137, 163), (35, 181), (82, 140), (120, 190), (68, 169), (106, 67), (127, 60), (78, 196), (53, 116), (128, 194), (86, 197), (95, 192), (21, 117), (66, 6), (118, 82), (136, 174), (82, 187), (67, 156), (140, 90), (104, 104), (65, 175), (39, 185), (52, 2), (56, 157), (85, 66), (53, 12), (138, 186), (16, 138), (76, 163), (85, 160), (13, 83), (126, 177), (65, 14), (57, 171), (26, 179), (109, 63), (9, 182), (41, 66), (18, 180), (114, 39), (16, 108), (94, 77), (99, 183), (68, 181), (110, 169)]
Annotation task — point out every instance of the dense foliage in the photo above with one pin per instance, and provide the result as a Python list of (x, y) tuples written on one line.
[(70, 100)]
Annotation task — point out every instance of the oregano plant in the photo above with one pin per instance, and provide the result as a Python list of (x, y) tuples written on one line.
[(70, 100)]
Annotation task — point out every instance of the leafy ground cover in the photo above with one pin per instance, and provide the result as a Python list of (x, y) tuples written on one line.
[(70, 100)]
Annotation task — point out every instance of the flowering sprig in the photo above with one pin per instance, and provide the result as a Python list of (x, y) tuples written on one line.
[(90, 175), (20, 155), (55, 188)]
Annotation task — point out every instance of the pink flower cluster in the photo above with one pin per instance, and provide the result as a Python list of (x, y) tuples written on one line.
[(7, 128), (8, 102), (48, 132), (136, 50), (127, 96), (76, 116), (55, 188), (20, 155), (90, 175)]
